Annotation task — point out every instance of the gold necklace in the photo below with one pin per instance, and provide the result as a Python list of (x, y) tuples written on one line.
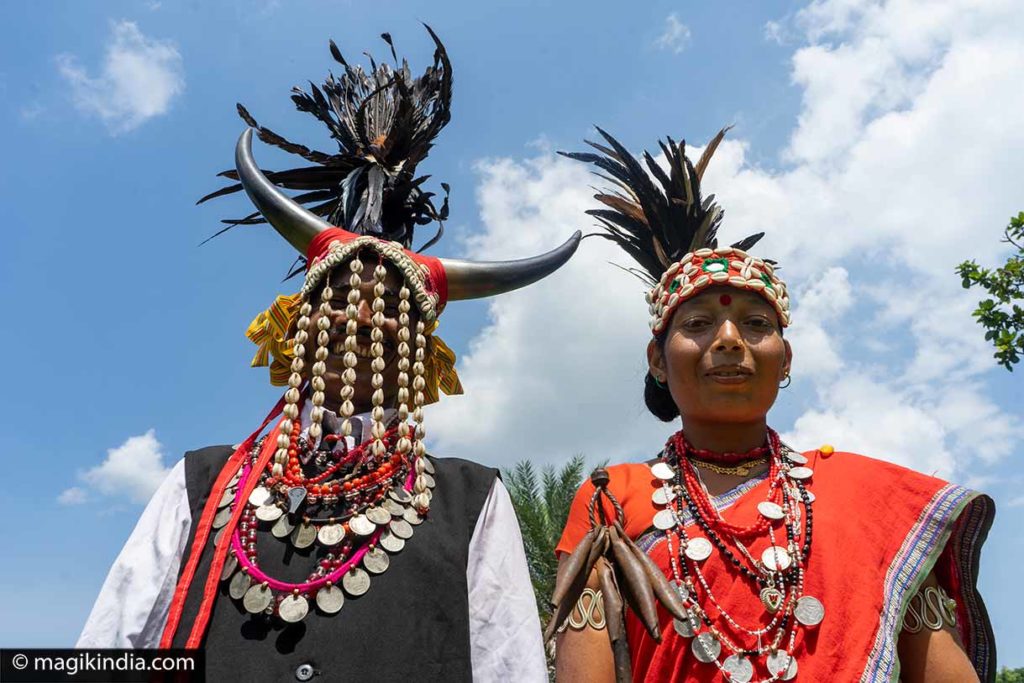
[(740, 469)]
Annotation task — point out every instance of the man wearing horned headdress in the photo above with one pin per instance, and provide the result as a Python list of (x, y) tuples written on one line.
[(329, 543)]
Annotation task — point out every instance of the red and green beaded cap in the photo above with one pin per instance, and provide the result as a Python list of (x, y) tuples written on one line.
[(660, 219)]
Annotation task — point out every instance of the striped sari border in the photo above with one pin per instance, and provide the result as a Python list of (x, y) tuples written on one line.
[(969, 534), (908, 570)]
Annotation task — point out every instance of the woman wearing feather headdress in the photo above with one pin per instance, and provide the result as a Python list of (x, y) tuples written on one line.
[(739, 558), (333, 545)]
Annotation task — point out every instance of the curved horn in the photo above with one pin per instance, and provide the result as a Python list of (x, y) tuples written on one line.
[(293, 221), (476, 279)]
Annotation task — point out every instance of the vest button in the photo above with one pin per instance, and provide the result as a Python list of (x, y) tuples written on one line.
[(304, 672)]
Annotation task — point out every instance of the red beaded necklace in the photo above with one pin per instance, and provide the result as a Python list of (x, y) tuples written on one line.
[(684, 446)]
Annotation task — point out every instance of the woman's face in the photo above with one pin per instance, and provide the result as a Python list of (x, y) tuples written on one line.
[(339, 279), (724, 356)]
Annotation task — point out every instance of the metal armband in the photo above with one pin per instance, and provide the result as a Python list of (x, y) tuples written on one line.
[(589, 612), (930, 608)]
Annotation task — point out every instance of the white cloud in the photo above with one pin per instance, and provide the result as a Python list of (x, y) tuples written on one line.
[(139, 78), (133, 470), (904, 160), (775, 32), (675, 36), (75, 495)]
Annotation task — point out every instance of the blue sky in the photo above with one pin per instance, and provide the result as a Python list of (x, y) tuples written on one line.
[(876, 143)]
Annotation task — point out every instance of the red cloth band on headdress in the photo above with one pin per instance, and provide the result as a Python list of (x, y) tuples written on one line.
[(436, 280)]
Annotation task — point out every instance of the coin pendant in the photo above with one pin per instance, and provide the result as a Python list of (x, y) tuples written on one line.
[(776, 558), (230, 565), (800, 472), (293, 608), (782, 665), (684, 593), (222, 518), (798, 458), (770, 509), (739, 668), (428, 466), (240, 583), (217, 537), (356, 582), (698, 549), (662, 496), (304, 535), (268, 513), (330, 599), (810, 496), (235, 479), (401, 528), (663, 471), (225, 500), (400, 494), (376, 561), (361, 526), (809, 611), (395, 508), (429, 480), (330, 534), (684, 627), (665, 519), (706, 647), (410, 515), (378, 515), (257, 599), (259, 496), (390, 542), (282, 527)]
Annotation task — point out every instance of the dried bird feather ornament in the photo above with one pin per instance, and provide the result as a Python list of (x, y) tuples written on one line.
[(627, 575)]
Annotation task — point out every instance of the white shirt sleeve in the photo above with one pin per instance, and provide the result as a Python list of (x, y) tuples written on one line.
[(504, 628), (133, 604)]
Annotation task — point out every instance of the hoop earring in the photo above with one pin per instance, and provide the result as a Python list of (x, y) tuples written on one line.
[(787, 379), (658, 382)]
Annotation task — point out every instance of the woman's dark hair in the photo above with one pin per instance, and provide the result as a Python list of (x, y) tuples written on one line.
[(658, 398)]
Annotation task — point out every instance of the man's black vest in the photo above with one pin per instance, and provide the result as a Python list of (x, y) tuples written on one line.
[(413, 623)]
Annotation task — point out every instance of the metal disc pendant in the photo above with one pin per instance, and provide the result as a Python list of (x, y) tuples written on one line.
[(771, 510), (698, 549), (240, 583), (665, 519), (400, 494), (798, 458), (809, 611), (739, 668), (378, 515), (259, 496), (393, 507), (268, 513), (376, 561), (225, 500), (428, 466), (282, 527), (800, 472), (304, 535), (330, 599), (685, 627), (390, 542), (662, 496), (230, 565), (401, 528), (663, 471), (361, 526), (293, 608), (257, 599), (356, 582), (222, 517), (330, 534), (782, 665), (429, 480), (706, 647), (776, 558), (810, 496), (217, 537), (410, 515)]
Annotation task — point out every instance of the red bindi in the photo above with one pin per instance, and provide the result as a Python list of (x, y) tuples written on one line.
[(725, 299)]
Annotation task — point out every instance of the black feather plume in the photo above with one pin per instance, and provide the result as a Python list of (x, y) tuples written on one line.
[(655, 215), (384, 122)]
